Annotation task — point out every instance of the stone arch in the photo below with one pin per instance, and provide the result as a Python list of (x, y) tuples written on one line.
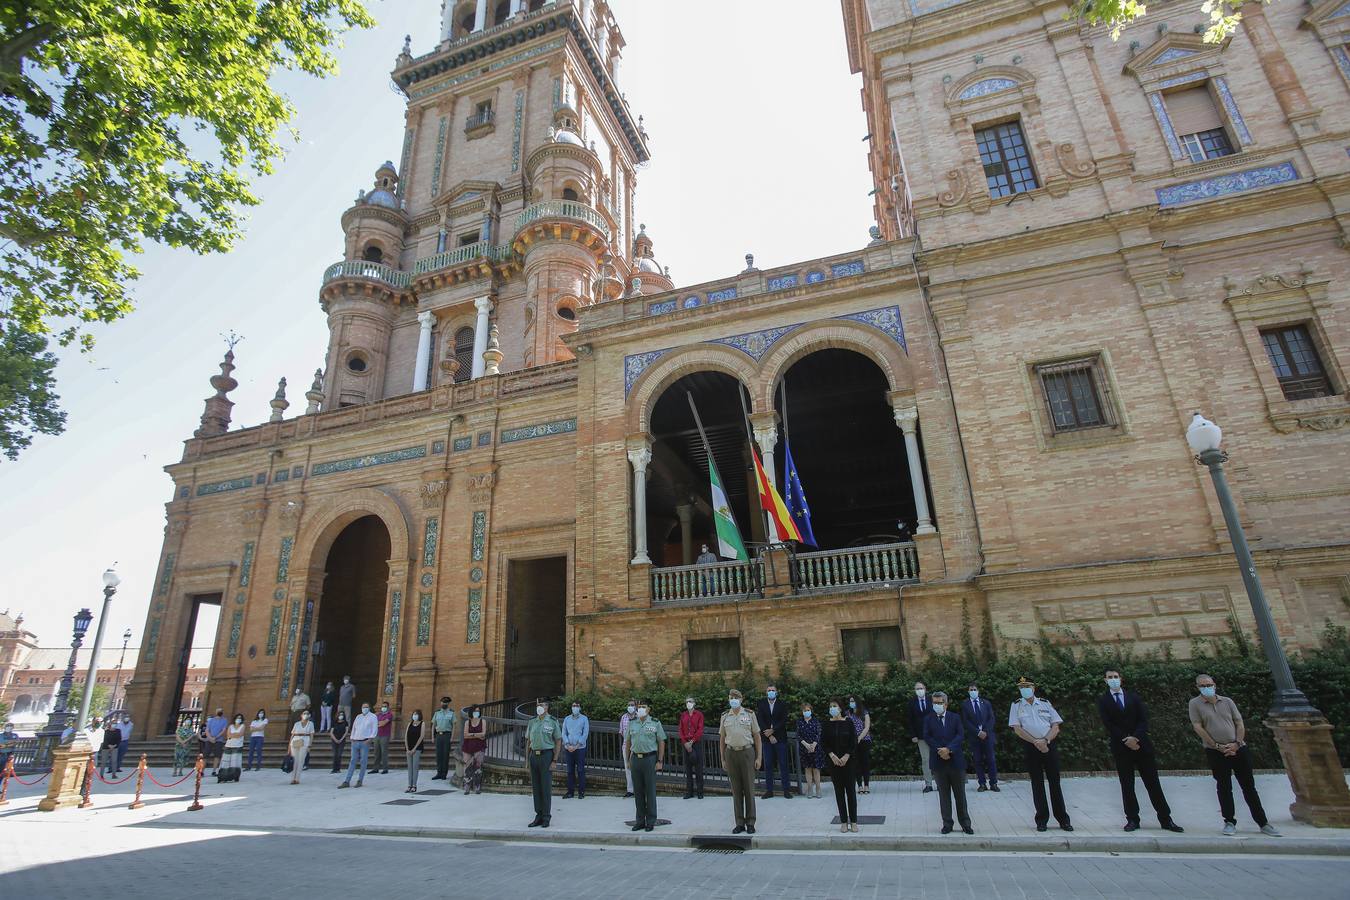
[(24, 704), (840, 334), (331, 515), (675, 365)]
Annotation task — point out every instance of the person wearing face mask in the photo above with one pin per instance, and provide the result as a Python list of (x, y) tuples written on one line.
[(918, 710), (327, 700), (1035, 721), (413, 738), (691, 738), (232, 762), (624, 721), (473, 747), (576, 732), (840, 739), (646, 747), (302, 733), (862, 761), (945, 736), (443, 729), (977, 715), (363, 732), (1217, 721), (384, 730), (338, 735), (1126, 719), (772, 714), (809, 749), (347, 696), (543, 743), (257, 732), (739, 734)]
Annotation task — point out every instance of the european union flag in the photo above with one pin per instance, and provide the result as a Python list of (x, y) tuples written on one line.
[(796, 498)]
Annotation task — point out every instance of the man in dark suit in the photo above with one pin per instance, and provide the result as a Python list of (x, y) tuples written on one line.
[(977, 715), (945, 737), (918, 710), (772, 714), (1126, 719)]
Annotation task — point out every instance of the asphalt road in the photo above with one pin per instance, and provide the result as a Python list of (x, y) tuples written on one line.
[(60, 860)]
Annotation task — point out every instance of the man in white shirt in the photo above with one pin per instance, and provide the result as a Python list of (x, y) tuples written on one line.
[(124, 727), (1035, 721), (363, 733)]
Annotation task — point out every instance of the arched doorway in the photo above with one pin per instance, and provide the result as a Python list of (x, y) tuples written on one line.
[(679, 509), (351, 610), (848, 451)]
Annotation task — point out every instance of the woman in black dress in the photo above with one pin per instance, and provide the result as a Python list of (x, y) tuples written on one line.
[(841, 747)]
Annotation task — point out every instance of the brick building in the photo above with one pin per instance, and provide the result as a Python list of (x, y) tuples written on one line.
[(498, 487)]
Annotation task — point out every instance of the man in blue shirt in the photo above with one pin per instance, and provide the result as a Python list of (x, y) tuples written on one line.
[(576, 731), (215, 739), (8, 736)]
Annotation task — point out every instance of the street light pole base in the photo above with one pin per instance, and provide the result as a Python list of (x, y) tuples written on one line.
[(1321, 797), (69, 763)]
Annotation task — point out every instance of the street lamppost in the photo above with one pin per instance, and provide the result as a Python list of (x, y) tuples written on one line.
[(110, 583), (1301, 731), (117, 679), (59, 716)]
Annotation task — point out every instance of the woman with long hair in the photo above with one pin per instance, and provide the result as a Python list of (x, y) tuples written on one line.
[(841, 746), (413, 738), (474, 747)]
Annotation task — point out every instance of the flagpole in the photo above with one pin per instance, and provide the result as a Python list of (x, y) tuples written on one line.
[(707, 448), (750, 434)]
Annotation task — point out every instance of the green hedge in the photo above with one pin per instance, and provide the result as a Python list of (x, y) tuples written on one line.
[(1069, 676)]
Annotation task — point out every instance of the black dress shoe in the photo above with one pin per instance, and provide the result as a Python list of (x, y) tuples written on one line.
[(567, 796), (1173, 826), (536, 823), (700, 795), (687, 797), (1042, 828), (649, 828), (1131, 826), (581, 796), (749, 829), (543, 824), (637, 827), (1066, 827), (994, 788), (628, 795), (787, 795), (946, 829), (981, 789), (928, 789), (967, 829), (437, 777), (738, 829), (768, 796)]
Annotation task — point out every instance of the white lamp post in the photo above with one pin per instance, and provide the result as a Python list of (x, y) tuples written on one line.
[(110, 583)]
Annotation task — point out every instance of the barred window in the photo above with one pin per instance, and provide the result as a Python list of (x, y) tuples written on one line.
[(464, 353), (1007, 165), (715, 655), (871, 645), (1074, 395), (1294, 358)]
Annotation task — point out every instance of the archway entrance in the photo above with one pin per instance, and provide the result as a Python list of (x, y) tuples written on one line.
[(678, 486), (202, 625), (850, 456), (351, 612), (536, 629)]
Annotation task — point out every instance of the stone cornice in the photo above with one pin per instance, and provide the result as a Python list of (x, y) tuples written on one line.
[(396, 217)]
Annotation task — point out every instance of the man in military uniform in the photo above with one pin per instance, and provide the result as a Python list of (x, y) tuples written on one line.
[(1037, 724), (543, 743), (646, 746), (741, 756)]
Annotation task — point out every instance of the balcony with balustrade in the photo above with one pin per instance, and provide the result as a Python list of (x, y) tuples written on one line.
[(362, 270), (470, 261), (560, 220)]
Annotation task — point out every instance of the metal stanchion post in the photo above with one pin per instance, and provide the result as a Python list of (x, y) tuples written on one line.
[(197, 791), (85, 802), (140, 781), (4, 781)]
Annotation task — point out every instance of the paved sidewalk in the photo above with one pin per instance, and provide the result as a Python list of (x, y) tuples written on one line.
[(1002, 821)]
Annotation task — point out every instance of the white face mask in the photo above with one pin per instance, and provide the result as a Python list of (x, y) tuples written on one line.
[(365, 710), (576, 710), (919, 692), (476, 714), (939, 708), (642, 712), (416, 717), (631, 709), (689, 704), (735, 702), (239, 720), (539, 710), (384, 709), (304, 717), (834, 710)]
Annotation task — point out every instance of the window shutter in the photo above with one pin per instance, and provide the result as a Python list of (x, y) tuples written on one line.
[(1193, 110)]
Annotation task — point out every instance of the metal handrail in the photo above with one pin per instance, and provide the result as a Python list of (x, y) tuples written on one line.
[(360, 268), (461, 255), (477, 120)]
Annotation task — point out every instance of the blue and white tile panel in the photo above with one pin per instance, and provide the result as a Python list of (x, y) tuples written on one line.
[(1222, 185)]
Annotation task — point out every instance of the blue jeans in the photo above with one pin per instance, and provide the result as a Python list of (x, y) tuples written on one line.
[(575, 761), (361, 752), (255, 744), (775, 752), (121, 752)]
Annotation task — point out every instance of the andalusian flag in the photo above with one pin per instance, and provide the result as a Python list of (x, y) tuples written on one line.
[(781, 526), (729, 543)]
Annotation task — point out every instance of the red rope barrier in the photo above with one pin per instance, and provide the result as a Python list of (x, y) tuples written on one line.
[(117, 782), (4, 781), (151, 776), (36, 780)]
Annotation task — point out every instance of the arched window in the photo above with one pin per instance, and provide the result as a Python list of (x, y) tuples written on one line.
[(464, 353), (373, 254), (502, 13), (570, 194)]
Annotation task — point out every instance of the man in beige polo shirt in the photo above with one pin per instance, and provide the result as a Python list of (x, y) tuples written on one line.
[(741, 754), (1217, 720)]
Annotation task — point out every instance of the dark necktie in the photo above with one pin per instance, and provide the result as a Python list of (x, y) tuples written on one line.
[(1120, 698)]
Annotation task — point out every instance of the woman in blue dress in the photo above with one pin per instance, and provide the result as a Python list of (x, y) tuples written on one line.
[(813, 756)]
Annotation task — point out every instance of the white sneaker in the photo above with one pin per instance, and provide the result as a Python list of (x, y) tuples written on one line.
[(1270, 830), (1229, 829)]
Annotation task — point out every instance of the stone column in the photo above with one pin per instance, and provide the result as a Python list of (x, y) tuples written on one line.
[(480, 16), (907, 418), (518, 7), (765, 426), (426, 320), (480, 335), (686, 515), (640, 458)]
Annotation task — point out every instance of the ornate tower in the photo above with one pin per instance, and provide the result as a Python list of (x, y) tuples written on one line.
[(512, 204)]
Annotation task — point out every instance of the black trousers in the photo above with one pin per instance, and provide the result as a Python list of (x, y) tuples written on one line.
[(442, 753), (693, 769), (337, 755), (644, 787), (1224, 770), (1127, 763), (950, 779), (845, 791), (541, 782), (862, 767), (1043, 767)]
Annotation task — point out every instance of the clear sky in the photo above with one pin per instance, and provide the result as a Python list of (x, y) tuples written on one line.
[(756, 132)]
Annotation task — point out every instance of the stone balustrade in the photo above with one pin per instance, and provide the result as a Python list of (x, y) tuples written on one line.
[(829, 569), (359, 268)]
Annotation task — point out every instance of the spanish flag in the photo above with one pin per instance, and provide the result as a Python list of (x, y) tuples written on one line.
[(780, 522)]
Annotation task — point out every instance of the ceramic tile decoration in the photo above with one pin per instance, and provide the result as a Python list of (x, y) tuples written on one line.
[(479, 534), (408, 136), (284, 559), (183, 492), (298, 472), (1342, 58), (260, 478), (462, 444), (439, 159), (292, 634), (1230, 107), (1155, 102), (475, 574), (437, 447), (887, 320), (724, 294), (166, 575), (1183, 79), (815, 276), (240, 598), (498, 63), (1172, 54), (424, 603), (282, 475), (782, 282), (547, 429), (660, 309), (246, 565), (756, 343), (485, 439), (427, 579), (220, 487), (1229, 183), (475, 616), (365, 462), (690, 302), (515, 130), (430, 539), (391, 653), (986, 87), (302, 666), (274, 631), (635, 365), (152, 640), (279, 594), (236, 628), (847, 269)]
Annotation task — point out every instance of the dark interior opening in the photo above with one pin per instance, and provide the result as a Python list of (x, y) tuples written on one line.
[(351, 613), (536, 627)]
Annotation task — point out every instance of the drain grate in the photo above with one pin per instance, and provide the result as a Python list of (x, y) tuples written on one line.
[(864, 820), (720, 850), (403, 802), (433, 793)]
